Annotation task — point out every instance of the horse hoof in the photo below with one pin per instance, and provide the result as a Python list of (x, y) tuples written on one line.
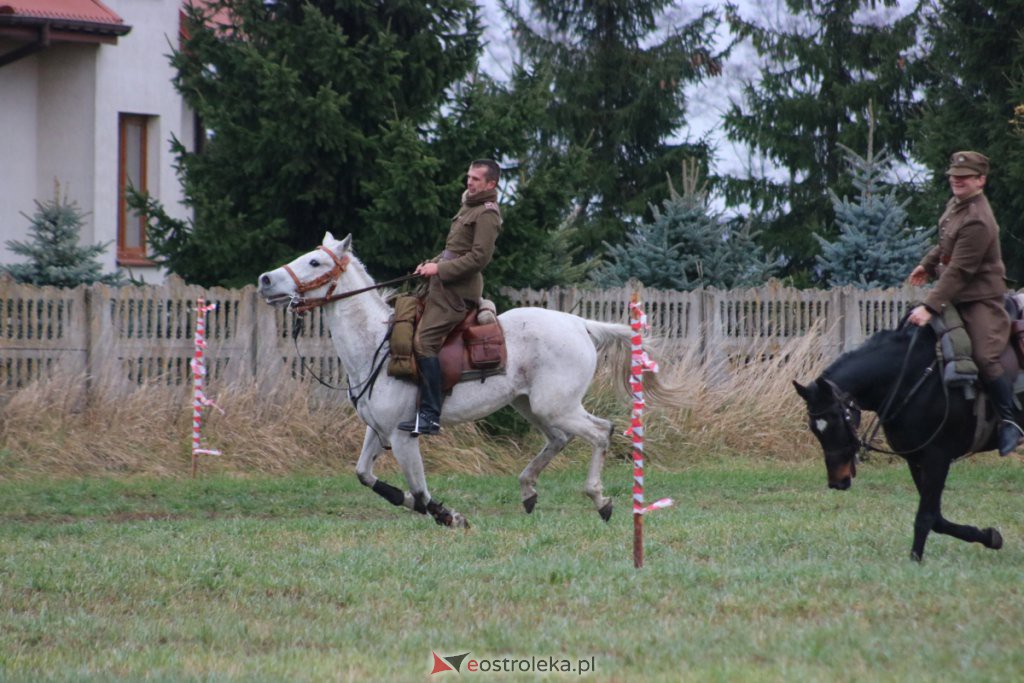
[(995, 539), (529, 503), (914, 556), (606, 511), (458, 521)]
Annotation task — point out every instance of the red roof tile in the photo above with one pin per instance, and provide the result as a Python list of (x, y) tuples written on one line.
[(87, 11)]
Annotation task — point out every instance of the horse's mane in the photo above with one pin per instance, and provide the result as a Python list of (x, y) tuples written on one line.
[(885, 339), (885, 346), (356, 266)]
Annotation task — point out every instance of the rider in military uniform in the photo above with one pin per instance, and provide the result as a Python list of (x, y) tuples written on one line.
[(454, 285), (969, 266)]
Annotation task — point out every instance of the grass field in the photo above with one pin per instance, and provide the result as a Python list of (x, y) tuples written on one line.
[(758, 573)]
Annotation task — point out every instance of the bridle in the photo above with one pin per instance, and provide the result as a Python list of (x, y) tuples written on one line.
[(847, 407), (301, 304)]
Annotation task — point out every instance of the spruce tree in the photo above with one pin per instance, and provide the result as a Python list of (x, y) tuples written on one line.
[(819, 64), (504, 122), (686, 246), (618, 71), (974, 82), (55, 258), (875, 246), (321, 116)]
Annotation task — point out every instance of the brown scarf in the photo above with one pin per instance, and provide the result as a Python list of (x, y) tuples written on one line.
[(480, 197)]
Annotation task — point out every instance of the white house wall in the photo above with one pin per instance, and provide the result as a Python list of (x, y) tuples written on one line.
[(64, 105), (18, 135), (64, 148)]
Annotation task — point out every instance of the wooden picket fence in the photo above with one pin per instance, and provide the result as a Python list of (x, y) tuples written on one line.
[(134, 335)]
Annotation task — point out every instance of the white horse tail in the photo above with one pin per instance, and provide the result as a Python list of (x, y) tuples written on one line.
[(615, 340), (607, 335)]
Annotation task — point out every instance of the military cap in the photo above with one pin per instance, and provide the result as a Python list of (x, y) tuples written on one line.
[(967, 163)]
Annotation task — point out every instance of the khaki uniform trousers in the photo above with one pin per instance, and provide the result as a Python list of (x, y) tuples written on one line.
[(988, 326), (442, 312)]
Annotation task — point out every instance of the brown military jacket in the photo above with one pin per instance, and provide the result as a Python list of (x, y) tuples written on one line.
[(470, 245), (968, 261)]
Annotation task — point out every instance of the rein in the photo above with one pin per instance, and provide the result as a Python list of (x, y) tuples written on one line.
[(884, 415), (367, 385), (866, 445)]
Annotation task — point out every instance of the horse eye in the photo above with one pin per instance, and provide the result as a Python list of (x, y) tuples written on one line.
[(314, 263)]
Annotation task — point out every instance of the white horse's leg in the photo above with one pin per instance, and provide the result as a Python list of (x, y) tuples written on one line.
[(372, 448), (556, 441), (597, 432), (600, 437), (407, 452)]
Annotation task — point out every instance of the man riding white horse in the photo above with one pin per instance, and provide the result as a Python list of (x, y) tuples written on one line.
[(454, 286)]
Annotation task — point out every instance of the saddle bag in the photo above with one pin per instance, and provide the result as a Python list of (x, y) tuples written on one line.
[(401, 362), (954, 349), (484, 344)]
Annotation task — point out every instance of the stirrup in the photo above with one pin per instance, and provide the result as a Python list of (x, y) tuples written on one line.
[(1007, 449), (426, 427), (1020, 436), (1020, 431), (420, 425)]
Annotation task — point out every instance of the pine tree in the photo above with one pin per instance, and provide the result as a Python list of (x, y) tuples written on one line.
[(824, 60), (686, 247), (54, 255), (875, 246)]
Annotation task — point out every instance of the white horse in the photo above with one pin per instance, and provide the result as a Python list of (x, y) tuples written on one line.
[(552, 357)]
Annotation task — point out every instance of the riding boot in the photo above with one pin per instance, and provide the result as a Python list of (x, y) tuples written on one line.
[(1001, 393), (428, 417)]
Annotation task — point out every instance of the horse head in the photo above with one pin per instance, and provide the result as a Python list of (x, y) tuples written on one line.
[(318, 270), (834, 419)]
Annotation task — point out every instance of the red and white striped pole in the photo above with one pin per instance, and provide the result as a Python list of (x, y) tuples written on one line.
[(199, 400), (639, 364)]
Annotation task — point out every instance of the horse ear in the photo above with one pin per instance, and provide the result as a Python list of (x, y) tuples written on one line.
[(328, 238), (805, 393), (346, 243)]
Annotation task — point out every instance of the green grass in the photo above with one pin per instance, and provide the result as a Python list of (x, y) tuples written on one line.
[(758, 573)]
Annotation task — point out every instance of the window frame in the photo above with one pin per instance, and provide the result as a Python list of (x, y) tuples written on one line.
[(126, 218)]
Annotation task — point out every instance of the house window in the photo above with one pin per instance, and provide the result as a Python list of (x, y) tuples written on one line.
[(132, 163)]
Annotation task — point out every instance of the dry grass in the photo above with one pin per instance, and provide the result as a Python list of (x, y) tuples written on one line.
[(48, 427), (748, 408)]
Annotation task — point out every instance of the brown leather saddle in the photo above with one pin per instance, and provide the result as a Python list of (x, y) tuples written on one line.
[(472, 352)]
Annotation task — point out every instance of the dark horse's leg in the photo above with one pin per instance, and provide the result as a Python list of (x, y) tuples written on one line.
[(930, 479)]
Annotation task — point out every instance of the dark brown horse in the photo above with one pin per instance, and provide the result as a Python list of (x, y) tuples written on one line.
[(895, 374)]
